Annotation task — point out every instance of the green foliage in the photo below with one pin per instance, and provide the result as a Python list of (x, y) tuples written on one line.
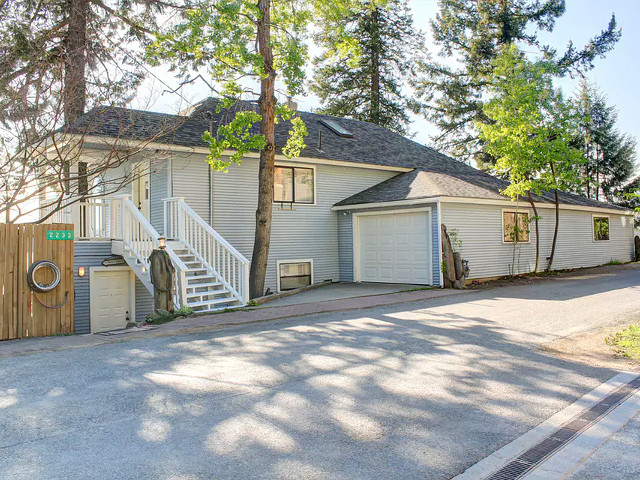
[(221, 38), (164, 316), (474, 32), (529, 126), (364, 80), (627, 342), (456, 242)]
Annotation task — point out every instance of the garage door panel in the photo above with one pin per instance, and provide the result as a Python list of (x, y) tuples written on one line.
[(395, 248)]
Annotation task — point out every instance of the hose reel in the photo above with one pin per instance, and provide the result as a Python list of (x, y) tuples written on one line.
[(38, 287)]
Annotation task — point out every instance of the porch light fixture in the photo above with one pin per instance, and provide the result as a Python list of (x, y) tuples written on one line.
[(162, 243), (81, 271), (144, 269)]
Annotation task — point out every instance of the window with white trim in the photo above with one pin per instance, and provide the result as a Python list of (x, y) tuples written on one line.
[(294, 275), (515, 227), (293, 185), (600, 228)]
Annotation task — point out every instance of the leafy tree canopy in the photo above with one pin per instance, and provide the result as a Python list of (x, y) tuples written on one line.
[(470, 34)]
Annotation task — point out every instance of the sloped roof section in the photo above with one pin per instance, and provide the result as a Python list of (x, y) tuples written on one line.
[(434, 174), (420, 184)]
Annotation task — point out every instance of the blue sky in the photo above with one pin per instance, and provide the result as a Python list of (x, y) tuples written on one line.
[(617, 75)]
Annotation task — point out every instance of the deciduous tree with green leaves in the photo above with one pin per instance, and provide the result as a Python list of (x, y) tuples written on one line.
[(239, 42), (470, 34), (530, 130)]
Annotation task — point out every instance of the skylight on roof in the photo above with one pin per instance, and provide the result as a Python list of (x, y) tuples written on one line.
[(336, 128)]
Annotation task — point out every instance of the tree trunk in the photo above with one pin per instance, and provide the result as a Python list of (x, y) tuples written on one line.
[(375, 67), (74, 89), (267, 105), (555, 231), (535, 215)]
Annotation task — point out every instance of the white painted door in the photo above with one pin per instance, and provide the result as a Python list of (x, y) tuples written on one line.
[(394, 248), (111, 299), (141, 187)]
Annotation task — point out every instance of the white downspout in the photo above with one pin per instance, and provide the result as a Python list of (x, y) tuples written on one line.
[(439, 207)]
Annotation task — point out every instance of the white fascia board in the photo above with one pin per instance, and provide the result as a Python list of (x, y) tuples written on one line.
[(204, 150), (475, 201)]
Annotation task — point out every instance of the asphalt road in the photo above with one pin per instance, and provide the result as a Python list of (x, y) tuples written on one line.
[(420, 390)]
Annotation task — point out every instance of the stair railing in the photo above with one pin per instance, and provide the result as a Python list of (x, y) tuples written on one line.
[(140, 238), (219, 257)]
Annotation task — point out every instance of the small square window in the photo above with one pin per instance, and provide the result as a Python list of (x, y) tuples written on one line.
[(294, 275), (600, 228), (512, 233), (293, 185)]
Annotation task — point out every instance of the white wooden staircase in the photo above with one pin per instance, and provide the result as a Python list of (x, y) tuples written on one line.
[(210, 274)]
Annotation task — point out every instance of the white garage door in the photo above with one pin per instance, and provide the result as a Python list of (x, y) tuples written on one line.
[(394, 248), (111, 298)]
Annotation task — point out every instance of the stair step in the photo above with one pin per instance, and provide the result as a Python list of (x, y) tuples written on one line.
[(194, 270), (194, 262), (217, 301), (207, 293), (207, 284)]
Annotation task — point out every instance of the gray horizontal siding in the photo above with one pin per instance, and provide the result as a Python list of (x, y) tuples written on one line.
[(87, 255), (480, 230), (345, 239), (190, 179), (345, 246), (308, 231), (144, 301)]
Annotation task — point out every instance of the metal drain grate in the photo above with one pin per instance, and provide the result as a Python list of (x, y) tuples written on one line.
[(542, 450)]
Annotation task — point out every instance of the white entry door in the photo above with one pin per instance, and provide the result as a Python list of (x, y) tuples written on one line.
[(394, 248), (111, 298)]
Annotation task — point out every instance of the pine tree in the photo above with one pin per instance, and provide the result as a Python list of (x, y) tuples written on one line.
[(610, 155), (470, 33), (370, 86), (74, 50)]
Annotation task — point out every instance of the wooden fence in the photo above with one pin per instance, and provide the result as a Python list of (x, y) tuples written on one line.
[(22, 313)]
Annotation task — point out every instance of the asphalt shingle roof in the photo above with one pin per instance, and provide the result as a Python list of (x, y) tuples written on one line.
[(434, 174)]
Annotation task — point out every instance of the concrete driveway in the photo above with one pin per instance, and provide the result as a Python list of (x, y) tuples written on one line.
[(421, 390)]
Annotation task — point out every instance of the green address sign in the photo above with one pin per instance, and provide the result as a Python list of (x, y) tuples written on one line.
[(59, 234)]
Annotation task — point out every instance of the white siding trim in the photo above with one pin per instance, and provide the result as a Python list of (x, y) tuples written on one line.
[(439, 207), (180, 148), (475, 201), (278, 262), (356, 236)]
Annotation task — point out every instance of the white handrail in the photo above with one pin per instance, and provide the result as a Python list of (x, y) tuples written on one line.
[(208, 246), (141, 239)]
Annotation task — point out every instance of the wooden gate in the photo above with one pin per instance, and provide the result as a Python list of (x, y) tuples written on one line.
[(24, 313)]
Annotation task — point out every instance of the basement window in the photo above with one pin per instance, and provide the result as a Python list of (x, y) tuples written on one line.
[(294, 185), (512, 232), (294, 274), (600, 229)]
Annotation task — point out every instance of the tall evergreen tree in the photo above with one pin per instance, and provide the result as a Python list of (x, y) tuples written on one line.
[(75, 50), (470, 33), (610, 155), (370, 85)]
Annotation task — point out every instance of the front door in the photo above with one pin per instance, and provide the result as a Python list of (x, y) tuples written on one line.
[(141, 192), (111, 298)]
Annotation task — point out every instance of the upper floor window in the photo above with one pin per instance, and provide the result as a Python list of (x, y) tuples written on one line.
[(600, 228), (515, 227), (294, 185)]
